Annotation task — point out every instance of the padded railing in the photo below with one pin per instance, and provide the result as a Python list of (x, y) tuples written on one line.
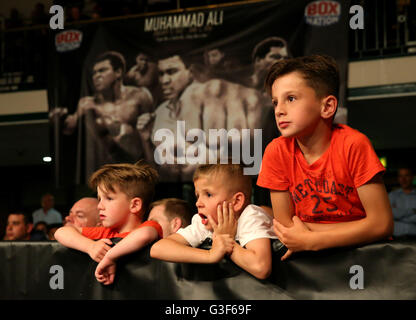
[(47, 270)]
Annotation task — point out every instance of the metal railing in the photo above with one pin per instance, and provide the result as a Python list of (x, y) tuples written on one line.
[(390, 30)]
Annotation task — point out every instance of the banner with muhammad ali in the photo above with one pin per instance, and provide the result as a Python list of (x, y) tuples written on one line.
[(181, 89)]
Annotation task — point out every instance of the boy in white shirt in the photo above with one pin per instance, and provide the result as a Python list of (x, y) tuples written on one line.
[(237, 228)]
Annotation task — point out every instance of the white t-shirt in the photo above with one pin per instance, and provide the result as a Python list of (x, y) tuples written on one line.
[(52, 216), (254, 223)]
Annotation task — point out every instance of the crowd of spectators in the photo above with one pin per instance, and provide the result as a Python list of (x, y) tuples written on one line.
[(43, 222), (81, 10)]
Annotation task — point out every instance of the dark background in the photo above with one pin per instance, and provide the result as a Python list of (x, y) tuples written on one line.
[(389, 122)]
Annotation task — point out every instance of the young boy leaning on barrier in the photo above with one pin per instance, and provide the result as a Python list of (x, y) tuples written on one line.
[(171, 214), (125, 192), (325, 179), (237, 228)]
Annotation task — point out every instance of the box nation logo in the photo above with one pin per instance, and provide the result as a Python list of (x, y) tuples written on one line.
[(322, 13), (68, 40)]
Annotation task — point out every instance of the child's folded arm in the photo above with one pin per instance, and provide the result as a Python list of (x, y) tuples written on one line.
[(71, 237), (134, 241), (175, 248), (283, 208), (377, 224), (255, 258)]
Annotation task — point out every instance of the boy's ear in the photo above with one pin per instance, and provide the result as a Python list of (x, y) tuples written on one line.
[(29, 227), (175, 224), (136, 205), (329, 107), (238, 201)]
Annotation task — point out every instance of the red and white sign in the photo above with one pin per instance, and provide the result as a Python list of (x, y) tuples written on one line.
[(322, 13), (68, 40)]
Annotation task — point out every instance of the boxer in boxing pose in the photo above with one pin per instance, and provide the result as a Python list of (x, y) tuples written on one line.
[(111, 113)]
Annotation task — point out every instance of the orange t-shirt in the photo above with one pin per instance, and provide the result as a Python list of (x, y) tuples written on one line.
[(108, 233), (326, 190)]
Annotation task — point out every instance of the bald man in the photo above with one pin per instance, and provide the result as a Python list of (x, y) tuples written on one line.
[(84, 213)]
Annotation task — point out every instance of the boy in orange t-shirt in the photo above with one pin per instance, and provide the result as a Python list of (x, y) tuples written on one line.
[(325, 180), (125, 192)]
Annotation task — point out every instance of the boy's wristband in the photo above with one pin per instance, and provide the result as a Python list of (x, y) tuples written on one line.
[(278, 248), (115, 241)]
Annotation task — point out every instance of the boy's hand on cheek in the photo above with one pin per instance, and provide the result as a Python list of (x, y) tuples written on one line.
[(222, 244), (99, 248), (294, 238), (106, 271), (227, 223)]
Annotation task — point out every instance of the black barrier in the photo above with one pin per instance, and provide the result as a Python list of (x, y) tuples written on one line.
[(47, 270)]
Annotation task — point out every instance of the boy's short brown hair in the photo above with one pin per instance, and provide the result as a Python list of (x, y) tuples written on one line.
[(175, 207), (236, 180), (320, 72), (134, 180)]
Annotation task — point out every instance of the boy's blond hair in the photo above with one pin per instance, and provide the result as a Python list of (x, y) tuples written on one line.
[(134, 180), (233, 174)]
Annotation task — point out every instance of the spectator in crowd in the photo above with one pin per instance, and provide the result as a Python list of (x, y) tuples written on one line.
[(74, 14), (47, 213), (15, 20), (13, 51), (20, 227), (237, 228), (39, 15), (96, 12), (403, 203), (125, 192), (84, 213), (159, 5), (34, 50), (325, 181), (171, 214), (52, 229), (42, 227)]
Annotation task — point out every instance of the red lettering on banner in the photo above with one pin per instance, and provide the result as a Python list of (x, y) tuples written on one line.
[(333, 8), (68, 40), (76, 36), (312, 9), (68, 37), (322, 8)]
